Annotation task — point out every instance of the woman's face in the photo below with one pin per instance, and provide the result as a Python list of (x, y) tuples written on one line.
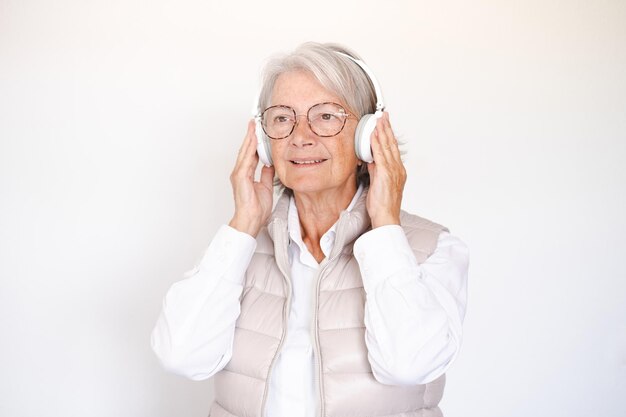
[(304, 161)]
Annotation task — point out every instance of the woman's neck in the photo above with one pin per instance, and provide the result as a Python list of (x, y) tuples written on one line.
[(318, 212)]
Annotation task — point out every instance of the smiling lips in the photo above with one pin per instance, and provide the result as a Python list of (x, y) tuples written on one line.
[(307, 161)]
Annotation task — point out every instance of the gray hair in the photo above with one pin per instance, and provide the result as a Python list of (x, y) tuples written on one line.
[(335, 72)]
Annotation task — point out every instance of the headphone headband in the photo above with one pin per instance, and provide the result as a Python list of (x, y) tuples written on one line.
[(380, 106)]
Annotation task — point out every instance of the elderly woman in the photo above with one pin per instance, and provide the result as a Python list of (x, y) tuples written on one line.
[(335, 302)]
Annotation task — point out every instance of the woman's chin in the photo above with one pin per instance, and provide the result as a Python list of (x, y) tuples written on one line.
[(312, 185), (306, 186)]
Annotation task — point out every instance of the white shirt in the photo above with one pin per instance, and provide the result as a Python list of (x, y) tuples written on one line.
[(413, 313)]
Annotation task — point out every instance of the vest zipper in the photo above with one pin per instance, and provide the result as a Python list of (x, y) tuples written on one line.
[(317, 351), (280, 346), (286, 309)]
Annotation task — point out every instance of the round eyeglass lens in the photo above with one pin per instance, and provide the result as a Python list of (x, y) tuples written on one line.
[(327, 119), (278, 121)]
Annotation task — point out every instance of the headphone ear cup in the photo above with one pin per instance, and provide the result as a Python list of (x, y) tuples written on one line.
[(362, 135), (263, 148)]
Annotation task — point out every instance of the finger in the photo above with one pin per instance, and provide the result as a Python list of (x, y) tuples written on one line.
[(248, 141), (267, 176), (248, 158), (371, 169), (377, 148), (393, 142), (250, 136), (396, 166), (387, 139)]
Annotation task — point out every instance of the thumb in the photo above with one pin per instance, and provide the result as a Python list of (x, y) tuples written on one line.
[(371, 168), (267, 176)]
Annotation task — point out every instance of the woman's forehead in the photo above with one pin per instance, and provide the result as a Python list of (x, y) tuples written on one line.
[(301, 90)]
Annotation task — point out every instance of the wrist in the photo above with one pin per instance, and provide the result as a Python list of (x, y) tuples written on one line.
[(244, 225), (385, 220)]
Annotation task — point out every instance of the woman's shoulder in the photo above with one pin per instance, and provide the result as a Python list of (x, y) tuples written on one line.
[(421, 233), (264, 242), (410, 221)]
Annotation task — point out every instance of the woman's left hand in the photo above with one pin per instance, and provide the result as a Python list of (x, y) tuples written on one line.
[(387, 176)]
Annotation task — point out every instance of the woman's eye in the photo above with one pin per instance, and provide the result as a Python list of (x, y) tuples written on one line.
[(327, 116), (281, 119)]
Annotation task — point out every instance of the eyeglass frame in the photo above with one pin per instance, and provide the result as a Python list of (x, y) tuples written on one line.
[(345, 115)]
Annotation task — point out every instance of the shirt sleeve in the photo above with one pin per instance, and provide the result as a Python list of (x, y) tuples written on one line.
[(414, 312), (194, 333)]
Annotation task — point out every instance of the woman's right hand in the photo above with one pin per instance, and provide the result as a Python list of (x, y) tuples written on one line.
[(253, 199)]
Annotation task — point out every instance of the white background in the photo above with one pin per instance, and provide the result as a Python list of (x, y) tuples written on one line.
[(120, 122)]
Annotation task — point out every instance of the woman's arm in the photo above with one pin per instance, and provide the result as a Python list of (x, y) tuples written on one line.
[(414, 312), (194, 333)]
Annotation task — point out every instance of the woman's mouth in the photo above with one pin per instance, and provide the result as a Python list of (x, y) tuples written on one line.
[(307, 161)]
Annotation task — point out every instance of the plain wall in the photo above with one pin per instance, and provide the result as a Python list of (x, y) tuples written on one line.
[(119, 126)]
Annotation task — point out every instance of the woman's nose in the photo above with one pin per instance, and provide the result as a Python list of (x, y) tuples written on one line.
[(302, 134)]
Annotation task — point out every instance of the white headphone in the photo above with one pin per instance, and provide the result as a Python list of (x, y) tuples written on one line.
[(364, 129)]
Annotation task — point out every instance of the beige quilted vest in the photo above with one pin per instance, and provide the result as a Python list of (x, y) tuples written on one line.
[(345, 382)]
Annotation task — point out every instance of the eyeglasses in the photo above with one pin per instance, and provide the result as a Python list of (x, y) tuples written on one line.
[(325, 120)]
